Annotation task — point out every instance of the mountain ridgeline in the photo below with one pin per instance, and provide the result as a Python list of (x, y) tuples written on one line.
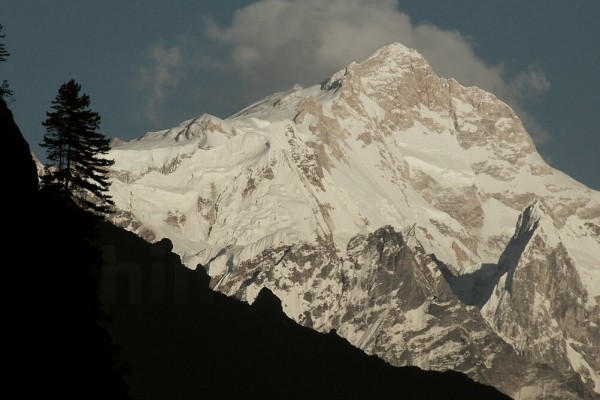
[(406, 212), (184, 341), (102, 314)]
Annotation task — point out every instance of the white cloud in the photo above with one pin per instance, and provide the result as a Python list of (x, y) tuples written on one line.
[(160, 77), (276, 43)]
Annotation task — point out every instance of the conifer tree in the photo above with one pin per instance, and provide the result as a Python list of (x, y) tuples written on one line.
[(3, 53), (78, 167), (4, 88)]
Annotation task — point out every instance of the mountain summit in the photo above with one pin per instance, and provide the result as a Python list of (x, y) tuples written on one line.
[(409, 213)]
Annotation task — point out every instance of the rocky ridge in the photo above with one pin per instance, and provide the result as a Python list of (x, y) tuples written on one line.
[(409, 213)]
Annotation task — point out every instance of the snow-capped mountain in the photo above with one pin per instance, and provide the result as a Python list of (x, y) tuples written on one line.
[(411, 214)]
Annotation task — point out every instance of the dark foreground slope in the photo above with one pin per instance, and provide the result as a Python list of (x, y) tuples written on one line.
[(54, 345), (184, 341), (179, 339), (21, 178)]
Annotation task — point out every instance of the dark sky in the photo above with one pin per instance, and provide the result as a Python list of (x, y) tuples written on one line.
[(149, 65)]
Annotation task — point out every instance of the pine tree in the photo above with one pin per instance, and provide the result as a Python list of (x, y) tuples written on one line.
[(78, 168), (4, 88), (3, 53)]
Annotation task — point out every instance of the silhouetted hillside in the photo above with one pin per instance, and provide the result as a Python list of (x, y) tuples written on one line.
[(184, 341), (22, 176), (55, 344), (180, 339)]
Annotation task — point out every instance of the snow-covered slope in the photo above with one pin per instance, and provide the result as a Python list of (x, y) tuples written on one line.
[(383, 203)]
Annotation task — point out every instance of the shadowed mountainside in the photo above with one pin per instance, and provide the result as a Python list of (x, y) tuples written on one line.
[(54, 343), (22, 179), (183, 340)]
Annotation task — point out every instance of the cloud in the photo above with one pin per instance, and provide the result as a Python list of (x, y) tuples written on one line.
[(530, 83), (276, 43), (160, 77), (526, 87)]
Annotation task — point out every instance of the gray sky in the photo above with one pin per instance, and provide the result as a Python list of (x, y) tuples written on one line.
[(148, 65)]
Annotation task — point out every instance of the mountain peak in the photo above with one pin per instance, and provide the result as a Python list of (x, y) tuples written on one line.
[(396, 51), (535, 219), (274, 195), (531, 217), (394, 59)]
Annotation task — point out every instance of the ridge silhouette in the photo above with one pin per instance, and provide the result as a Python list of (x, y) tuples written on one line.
[(55, 342), (84, 284), (201, 343)]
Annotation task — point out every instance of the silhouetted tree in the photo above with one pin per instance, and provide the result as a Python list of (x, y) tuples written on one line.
[(73, 355), (3, 53), (4, 89), (78, 167)]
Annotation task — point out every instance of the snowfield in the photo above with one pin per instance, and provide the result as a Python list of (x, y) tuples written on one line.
[(278, 194)]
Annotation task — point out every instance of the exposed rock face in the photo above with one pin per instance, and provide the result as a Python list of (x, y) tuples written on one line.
[(306, 192), (392, 300), (202, 343), (538, 304)]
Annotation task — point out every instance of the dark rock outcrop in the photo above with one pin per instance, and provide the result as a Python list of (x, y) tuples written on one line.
[(21, 179), (185, 341)]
